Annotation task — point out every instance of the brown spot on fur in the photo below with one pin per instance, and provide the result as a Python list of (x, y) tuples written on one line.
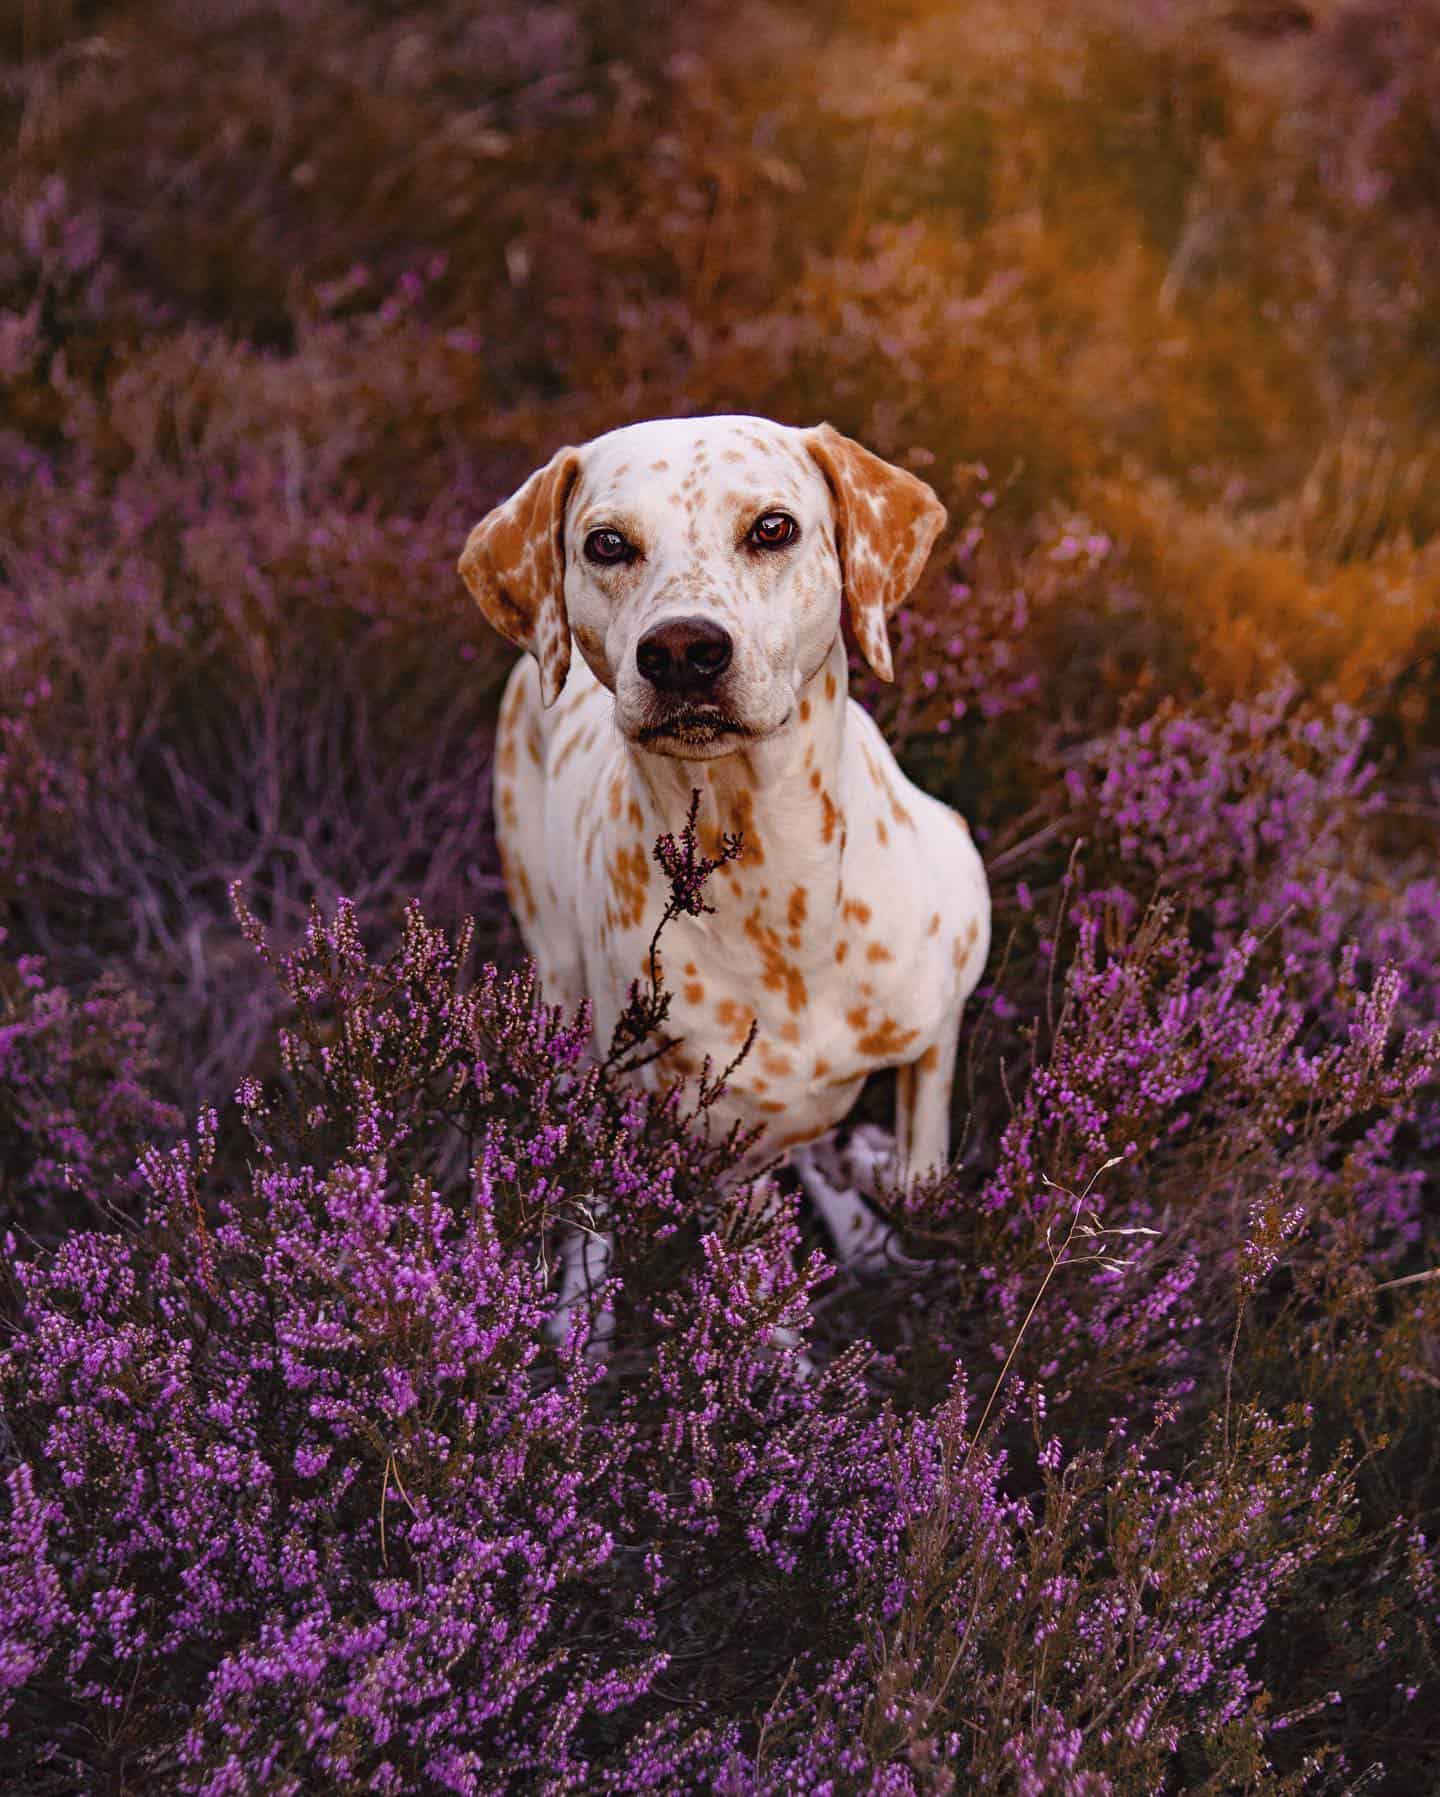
[(900, 814), (877, 951), (930, 1060), (659, 467), (534, 747), (777, 973), (795, 914), (567, 749), (815, 781), (694, 993), (831, 817), (734, 1019), (821, 1068), (629, 872), (804, 711), (964, 943), (842, 948), (744, 825), (778, 1064), (635, 814), (934, 929), (617, 794), (789, 1031), (830, 686), (773, 1106), (887, 1038), (857, 910), (881, 831)]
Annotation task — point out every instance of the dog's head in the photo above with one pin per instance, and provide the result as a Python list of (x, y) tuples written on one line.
[(702, 564)]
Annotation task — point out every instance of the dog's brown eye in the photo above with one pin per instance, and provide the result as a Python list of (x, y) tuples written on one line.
[(607, 546), (774, 531)]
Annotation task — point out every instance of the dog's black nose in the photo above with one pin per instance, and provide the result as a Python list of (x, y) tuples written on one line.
[(684, 655)]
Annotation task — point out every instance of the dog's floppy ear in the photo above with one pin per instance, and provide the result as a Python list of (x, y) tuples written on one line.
[(886, 523), (514, 564)]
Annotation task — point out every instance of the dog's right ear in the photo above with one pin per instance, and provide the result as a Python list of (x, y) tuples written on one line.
[(514, 564)]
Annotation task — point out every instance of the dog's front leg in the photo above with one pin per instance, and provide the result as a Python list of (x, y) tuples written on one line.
[(922, 1107), (585, 1255)]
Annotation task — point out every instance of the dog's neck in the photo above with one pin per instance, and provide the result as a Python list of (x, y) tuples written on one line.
[(782, 796)]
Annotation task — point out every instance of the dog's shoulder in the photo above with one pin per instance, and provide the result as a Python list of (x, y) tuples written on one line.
[(915, 882)]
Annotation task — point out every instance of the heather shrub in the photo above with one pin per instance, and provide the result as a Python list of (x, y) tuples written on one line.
[(358, 1521), (77, 1100)]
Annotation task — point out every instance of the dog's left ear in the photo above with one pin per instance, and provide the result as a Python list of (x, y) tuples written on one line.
[(514, 564), (886, 523)]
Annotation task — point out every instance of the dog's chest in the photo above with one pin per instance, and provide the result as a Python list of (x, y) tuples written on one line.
[(801, 975)]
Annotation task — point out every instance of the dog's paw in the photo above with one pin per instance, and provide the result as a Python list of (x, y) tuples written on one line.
[(836, 1180)]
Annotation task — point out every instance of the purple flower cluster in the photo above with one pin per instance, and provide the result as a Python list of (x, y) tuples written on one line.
[(78, 1072)]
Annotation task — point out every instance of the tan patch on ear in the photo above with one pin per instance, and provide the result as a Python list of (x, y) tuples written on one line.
[(886, 523), (514, 564)]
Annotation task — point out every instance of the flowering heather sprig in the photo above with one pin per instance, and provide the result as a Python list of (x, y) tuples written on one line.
[(688, 870)]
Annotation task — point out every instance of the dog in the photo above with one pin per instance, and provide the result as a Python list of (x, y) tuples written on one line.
[(702, 566)]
